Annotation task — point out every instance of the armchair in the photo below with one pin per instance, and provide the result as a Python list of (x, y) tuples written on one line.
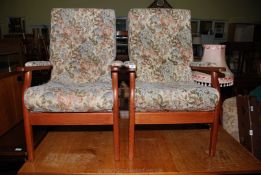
[(162, 90), (80, 91)]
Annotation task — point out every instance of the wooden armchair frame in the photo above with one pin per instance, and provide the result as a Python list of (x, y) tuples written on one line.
[(73, 118), (176, 117)]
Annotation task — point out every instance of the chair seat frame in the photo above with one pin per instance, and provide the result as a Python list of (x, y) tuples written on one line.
[(72, 118), (176, 117)]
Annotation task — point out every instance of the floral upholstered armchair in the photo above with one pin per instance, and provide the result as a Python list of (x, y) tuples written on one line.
[(83, 89), (161, 87)]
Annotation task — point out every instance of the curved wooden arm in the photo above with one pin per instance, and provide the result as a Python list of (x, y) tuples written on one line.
[(116, 106), (132, 74), (214, 81), (132, 89), (27, 82), (28, 74), (215, 73), (115, 77), (115, 88), (115, 69), (33, 68), (210, 70)]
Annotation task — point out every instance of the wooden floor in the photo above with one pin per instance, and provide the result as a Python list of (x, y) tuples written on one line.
[(170, 151)]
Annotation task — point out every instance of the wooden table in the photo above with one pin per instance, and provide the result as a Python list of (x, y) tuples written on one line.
[(158, 151)]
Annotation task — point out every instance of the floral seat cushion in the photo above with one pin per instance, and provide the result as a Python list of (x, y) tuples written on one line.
[(176, 96), (59, 97)]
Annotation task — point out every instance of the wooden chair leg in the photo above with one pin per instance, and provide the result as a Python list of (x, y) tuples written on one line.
[(131, 135), (28, 136), (116, 137), (131, 116), (116, 130), (214, 135)]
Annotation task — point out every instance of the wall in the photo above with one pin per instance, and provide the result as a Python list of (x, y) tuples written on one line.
[(37, 12)]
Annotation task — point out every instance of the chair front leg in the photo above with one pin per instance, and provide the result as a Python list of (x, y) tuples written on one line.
[(116, 130), (215, 124), (214, 133), (26, 115), (132, 116), (28, 135)]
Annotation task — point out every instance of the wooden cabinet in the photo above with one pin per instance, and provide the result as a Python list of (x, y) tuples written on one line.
[(10, 101), (249, 124)]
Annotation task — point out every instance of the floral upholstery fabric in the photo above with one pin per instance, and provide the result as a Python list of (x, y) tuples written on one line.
[(59, 97), (82, 49), (82, 44), (230, 117), (160, 44), (182, 96)]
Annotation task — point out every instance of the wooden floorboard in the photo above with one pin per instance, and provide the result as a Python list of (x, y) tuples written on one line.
[(175, 151)]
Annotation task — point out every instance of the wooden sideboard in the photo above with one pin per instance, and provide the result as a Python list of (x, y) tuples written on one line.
[(10, 101)]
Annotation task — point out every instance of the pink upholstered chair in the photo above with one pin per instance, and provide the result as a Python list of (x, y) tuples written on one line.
[(81, 90), (162, 90)]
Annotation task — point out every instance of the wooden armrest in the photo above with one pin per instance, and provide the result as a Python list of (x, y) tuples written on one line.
[(130, 66), (210, 70), (115, 68), (33, 68)]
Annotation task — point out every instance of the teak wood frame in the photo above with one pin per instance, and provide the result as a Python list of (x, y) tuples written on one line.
[(59, 118), (176, 117)]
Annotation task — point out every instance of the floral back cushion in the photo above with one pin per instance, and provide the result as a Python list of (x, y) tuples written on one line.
[(160, 44), (82, 44)]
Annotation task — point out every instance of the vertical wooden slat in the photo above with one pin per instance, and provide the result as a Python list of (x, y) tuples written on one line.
[(132, 115), (215, 124), (27, 124), (116, 130)]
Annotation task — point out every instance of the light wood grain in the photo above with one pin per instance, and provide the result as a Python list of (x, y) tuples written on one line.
[(174, 151)]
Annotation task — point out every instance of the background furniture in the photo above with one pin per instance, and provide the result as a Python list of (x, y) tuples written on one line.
[(160, 45), (17, 51), (12, 54), (11, 93), (81, 90), (160, 4), (35, 49), (214, 54), (12, 140), (122, 45), (241, 119)]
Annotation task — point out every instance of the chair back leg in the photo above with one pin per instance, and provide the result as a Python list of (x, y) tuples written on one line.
[(131, 116), (116, 138), (214, 131)]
